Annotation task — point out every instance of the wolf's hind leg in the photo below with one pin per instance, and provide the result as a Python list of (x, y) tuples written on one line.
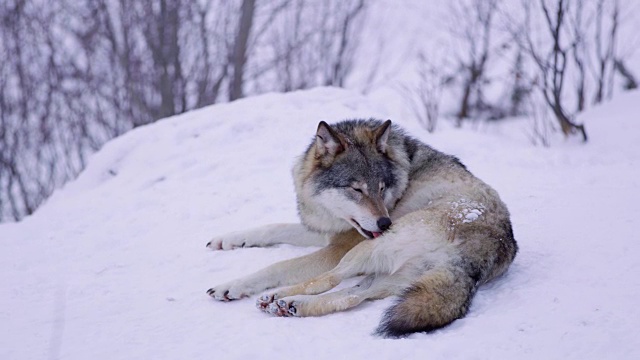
[(355, 262), (371, 288), (294, 234)]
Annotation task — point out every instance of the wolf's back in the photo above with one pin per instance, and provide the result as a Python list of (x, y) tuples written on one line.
[(439, 297)]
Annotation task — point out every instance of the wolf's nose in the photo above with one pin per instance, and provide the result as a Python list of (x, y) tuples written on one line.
[(384, 223)]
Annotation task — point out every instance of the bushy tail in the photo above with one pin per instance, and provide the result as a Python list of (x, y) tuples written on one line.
[(439, 297)]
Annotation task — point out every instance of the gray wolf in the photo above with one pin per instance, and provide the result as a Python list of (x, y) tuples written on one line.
[(414, 221)]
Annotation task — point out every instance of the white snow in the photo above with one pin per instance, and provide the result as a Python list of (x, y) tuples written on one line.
[(466, 211), (114, 266)]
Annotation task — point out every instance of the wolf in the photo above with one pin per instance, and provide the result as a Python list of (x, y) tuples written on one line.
[(413, 221)]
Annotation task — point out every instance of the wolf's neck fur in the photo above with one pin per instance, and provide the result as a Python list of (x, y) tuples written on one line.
[(318, 219)]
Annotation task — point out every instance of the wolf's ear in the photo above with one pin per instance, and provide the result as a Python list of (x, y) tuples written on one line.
[(328, 141), (381, 136)]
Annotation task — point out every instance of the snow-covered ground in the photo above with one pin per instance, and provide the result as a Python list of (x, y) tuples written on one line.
[(114, 266)]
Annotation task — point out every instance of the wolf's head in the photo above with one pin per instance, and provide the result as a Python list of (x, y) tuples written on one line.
[(353, 174)]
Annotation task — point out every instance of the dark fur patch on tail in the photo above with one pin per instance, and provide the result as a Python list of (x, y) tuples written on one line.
[(395, 326), (431, 304)]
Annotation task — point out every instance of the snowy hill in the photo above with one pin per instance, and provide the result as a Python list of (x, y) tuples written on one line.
[(114, 266)]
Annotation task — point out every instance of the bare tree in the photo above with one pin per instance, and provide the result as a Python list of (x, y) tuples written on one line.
[(64, 93), (552, 62), (31, 109), (541, 123), (571, 42), (239, 57), (472, 23), (579, 26), (342, 60), (289, 42), (424, 96), (295, 64), (208, 50), (315, 42), (605, 47), (520, 88), (161, 31), (147, 80), (78, 73)]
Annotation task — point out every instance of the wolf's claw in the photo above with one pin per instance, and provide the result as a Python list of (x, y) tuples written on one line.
[(292, 310), (226, 243), (225, 296), (215, 245)]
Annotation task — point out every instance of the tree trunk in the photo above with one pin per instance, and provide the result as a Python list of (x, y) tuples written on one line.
[(239, 56)]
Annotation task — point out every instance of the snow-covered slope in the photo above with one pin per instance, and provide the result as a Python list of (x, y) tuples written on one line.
[(114, 266)]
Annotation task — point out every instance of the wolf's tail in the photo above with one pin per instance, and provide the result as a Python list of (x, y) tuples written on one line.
[(439, 297)]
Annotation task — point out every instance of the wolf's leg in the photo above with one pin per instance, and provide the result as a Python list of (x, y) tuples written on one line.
[(294, 234), (356, 261), (371, 288), (387, 254), (289, 271)]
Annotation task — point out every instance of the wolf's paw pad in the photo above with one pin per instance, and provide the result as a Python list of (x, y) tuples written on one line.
[(282, 308), (263, 302)]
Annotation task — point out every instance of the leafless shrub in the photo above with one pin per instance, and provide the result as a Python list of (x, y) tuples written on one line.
[(541, 121), (571, 42), (39, 101), (605, 47), (472, 22), (424, 96), (78, 73), (550, 57), (315, 43), (519, 87), (578, 26)]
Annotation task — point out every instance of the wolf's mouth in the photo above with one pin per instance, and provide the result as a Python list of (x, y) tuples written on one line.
[(365, 232)]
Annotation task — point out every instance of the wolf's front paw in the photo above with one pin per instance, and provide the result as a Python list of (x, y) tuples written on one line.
[(227, 243), (228, 292), (219, 294)]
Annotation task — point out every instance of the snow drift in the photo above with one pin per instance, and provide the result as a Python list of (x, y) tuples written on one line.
[(114, 266)]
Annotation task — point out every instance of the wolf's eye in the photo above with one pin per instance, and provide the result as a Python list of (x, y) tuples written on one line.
[(357, 189), (382, 187)]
